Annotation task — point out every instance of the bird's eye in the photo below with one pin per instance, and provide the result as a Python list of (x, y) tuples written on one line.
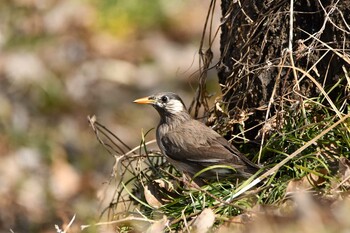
[(164, 99)]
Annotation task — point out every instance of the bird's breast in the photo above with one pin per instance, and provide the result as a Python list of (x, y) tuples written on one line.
[(162, 129), (163, 141)]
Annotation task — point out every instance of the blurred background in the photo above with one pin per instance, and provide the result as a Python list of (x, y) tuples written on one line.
[(62, 60)]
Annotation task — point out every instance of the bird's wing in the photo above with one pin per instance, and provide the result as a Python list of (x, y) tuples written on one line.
[(234, 150), (203, 145)]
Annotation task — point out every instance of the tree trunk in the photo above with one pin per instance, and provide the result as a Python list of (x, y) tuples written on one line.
[(255, 59)]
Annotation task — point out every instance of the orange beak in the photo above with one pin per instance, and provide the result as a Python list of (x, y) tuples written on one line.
[(145, 100)]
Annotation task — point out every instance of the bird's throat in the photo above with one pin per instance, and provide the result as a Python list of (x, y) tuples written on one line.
[(173, 120)]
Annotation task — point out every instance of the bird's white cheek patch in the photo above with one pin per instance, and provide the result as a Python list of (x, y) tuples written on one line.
[(175, 107)]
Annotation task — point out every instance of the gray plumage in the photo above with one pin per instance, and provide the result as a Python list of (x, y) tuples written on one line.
[(192, 146)]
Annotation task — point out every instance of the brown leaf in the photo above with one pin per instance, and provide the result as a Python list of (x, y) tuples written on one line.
[(158, 226), (316, 180), (307, 182), (168, 185), (204, 221), (297, 185), (151, 196), (344, 171), (240, 222)]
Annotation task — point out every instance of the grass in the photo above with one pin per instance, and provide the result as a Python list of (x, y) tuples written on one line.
[(314, 170)]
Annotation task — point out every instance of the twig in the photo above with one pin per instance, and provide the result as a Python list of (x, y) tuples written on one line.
[(67, 227), (278, 78), (82, 227), (291, 23)]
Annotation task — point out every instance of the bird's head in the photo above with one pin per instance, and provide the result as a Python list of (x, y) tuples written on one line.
[(167, 104)]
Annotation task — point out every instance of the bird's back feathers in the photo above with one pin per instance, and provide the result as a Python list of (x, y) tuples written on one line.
[(195, 143)]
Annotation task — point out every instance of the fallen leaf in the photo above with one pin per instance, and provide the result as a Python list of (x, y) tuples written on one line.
[(306, 183), (204, 221), (344, 172), (158, 226), (151, 196), (168, 185)]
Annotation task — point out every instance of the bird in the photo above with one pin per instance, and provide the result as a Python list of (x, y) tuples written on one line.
[(191, 146)]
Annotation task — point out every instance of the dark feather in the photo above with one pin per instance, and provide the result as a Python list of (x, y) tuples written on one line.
[(194, 143)]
